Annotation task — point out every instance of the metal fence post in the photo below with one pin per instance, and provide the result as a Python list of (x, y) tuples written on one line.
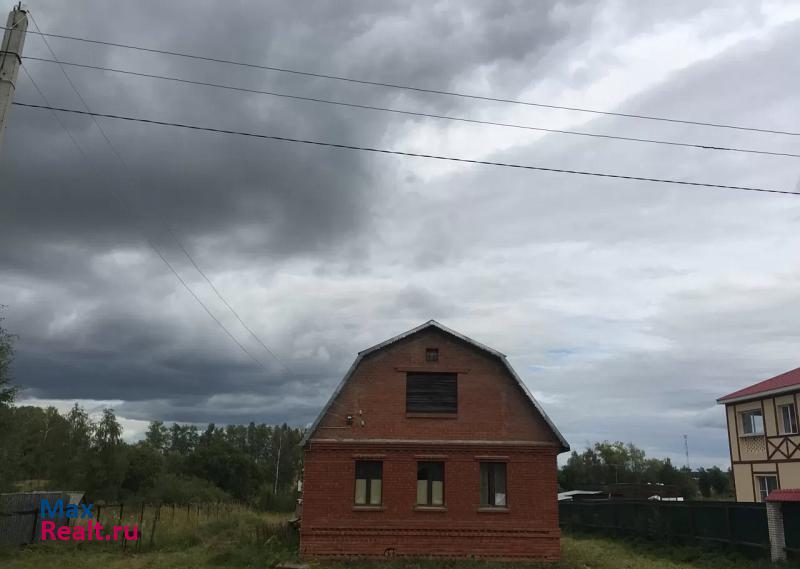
[(35, 520)]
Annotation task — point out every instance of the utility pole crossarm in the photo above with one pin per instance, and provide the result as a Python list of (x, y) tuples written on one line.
[(10, 60)]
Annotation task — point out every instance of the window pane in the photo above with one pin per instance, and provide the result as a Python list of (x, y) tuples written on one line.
[(375, 492), (485, 484), (368, 482), (422, 491), (499, 484), (361, 491), (766, 484), (752, 423), (437, 493), (789, 418), (431, 393)]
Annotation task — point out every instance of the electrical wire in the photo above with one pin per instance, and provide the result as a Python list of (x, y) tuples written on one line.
[(120, 197), (413, 154), (413, 113), (169, 229), (412, 88)]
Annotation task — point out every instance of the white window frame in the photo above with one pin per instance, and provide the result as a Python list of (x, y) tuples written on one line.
[(744, 416), (763, 486), (791, 415)]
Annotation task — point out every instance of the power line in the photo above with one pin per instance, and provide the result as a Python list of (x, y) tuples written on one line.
[(120, 197), (411, 154), (412, 113), (169, 229), (412, 88)]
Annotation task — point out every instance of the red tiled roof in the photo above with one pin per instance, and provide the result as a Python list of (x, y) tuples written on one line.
[(786, 495), (782, 381)]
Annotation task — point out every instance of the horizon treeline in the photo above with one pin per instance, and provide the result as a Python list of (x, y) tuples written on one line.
[(41, 448), (606, 463)]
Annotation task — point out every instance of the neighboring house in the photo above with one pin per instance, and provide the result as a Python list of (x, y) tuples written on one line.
[(431, 446), (763, 436)]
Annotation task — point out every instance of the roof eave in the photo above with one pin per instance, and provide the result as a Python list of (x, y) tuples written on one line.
[(760, 395), (433, 323)]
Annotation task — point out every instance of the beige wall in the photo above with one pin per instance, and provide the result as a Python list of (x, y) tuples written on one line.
[(732, 439), (749, 454), (749, 447), (789, 473), (744, 483)]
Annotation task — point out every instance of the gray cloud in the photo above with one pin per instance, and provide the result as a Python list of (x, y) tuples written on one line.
[(627, 307)]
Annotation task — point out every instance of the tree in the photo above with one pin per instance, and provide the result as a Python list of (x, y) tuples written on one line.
[(704, 482), (157, 436), (109, 458), (721, 481), (608, 463), (7, 391), (80, 434), (145, 466)]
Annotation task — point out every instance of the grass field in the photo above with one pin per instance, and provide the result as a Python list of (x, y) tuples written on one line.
[(231, 541)]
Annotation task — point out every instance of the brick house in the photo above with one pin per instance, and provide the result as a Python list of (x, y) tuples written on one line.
[(431, 445)]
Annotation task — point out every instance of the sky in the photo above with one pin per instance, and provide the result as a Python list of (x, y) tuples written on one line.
[(627, 307)]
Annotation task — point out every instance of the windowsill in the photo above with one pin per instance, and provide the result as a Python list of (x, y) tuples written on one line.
[(493, 510), (788, 434), (419, 508), (751, 435), (368, 508), (432, 415)]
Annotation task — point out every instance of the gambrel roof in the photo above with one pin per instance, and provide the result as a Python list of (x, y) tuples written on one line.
[(446, 330)]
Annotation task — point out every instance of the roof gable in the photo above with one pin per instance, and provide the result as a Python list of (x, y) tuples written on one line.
[(784, 382), (433, 324)]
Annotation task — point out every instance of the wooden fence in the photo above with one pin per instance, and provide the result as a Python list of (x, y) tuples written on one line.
[(19, 527), (735, 523)]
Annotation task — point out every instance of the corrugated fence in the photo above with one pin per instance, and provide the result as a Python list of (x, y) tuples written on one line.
[(19, 514), (742, 524)]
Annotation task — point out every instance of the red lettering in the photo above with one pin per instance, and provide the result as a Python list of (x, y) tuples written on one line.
[(47, 530), (134, 536), (117, 529), (63, 533), (97, 528)]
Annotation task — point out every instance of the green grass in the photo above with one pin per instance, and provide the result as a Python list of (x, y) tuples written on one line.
[(213, 540)]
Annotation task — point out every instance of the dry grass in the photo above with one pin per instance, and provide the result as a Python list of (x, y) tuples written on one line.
[(211, 539)]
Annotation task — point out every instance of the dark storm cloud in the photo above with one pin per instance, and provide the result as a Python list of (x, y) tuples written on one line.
[(594, 288), (233, 202)]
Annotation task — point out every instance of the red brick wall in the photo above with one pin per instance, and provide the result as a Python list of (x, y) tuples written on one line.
[(491, 406), (331, 526), (494, 419)]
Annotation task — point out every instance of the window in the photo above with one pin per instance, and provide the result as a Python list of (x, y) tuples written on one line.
[(432, 355), (766, 484), (430, 484), (493, 485), (752, 423), (788, 418), (369, 475), (431, 393)]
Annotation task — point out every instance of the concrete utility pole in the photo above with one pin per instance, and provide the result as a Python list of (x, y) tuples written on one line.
[(10, 59)]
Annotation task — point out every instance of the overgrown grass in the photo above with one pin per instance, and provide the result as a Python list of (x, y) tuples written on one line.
[(234, 537), (247, 539), (591, 552)]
